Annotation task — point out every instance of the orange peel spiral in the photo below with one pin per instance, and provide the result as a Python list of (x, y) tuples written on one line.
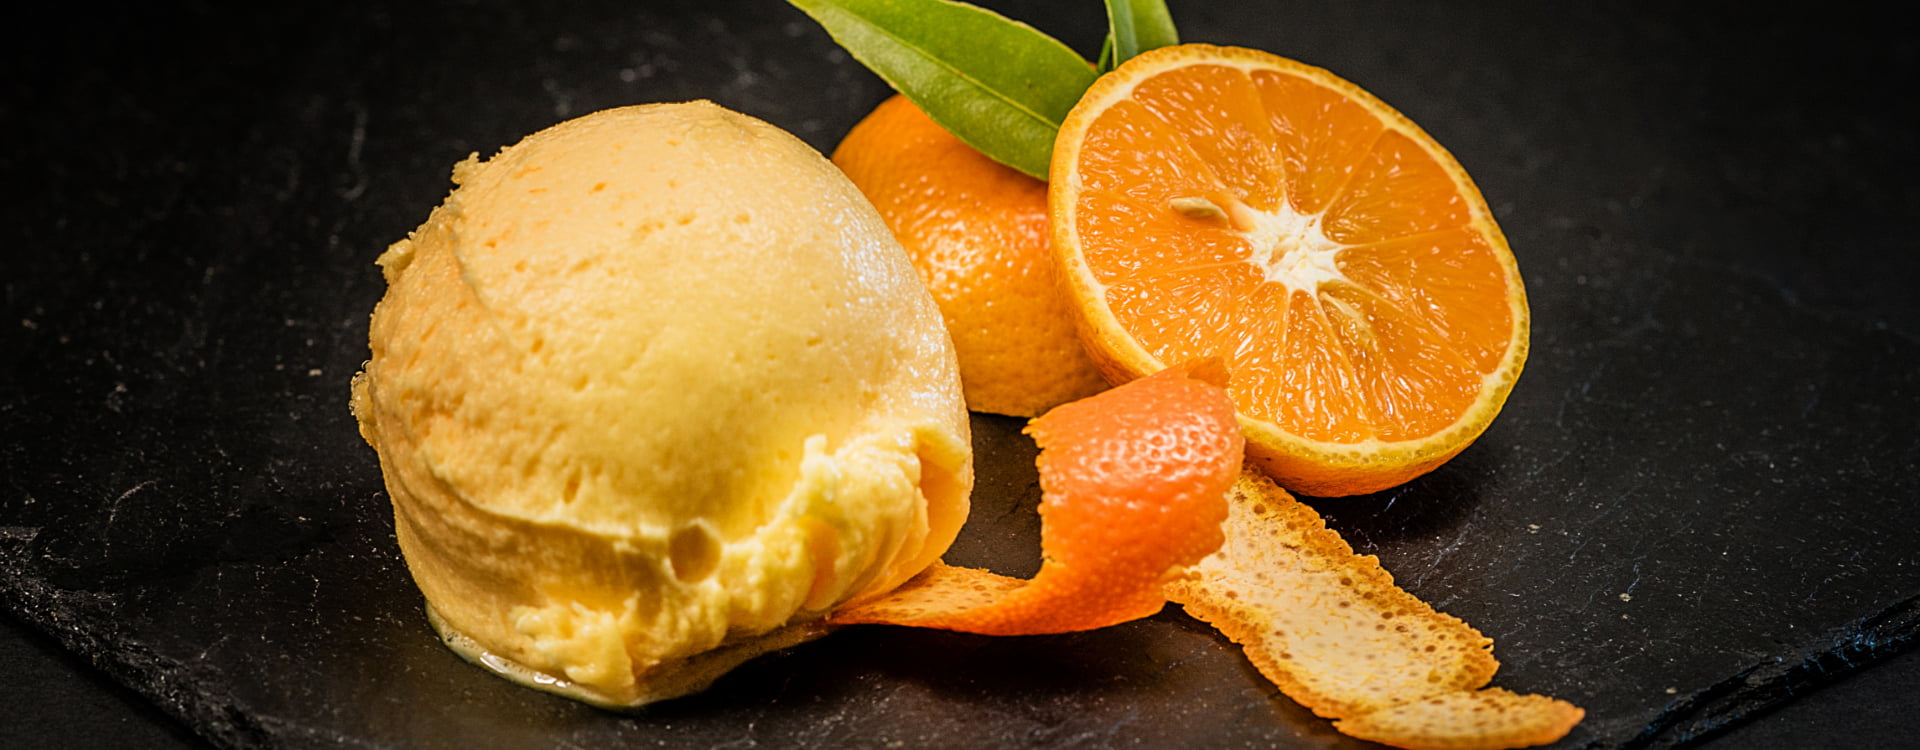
[(1133, 483)]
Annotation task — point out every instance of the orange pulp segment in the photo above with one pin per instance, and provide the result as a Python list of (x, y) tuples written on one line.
[(1223, 202), (1133, 482)]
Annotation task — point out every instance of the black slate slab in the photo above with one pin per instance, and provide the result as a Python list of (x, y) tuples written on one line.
[(1697, 504)]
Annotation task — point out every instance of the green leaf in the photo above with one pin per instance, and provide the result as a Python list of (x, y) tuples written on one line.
[(1133, 27), (997, 84)]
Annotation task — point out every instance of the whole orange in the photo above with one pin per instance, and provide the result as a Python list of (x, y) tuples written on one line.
[(978, 233)]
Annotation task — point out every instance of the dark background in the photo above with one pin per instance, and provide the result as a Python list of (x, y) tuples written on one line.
[(1697, 506)]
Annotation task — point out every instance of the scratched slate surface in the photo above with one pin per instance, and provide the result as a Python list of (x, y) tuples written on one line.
[(1698, 504)]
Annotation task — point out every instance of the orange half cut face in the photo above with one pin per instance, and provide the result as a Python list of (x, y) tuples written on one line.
[(1215, 202)]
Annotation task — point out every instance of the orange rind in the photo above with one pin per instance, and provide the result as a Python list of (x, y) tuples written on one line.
[(1133, 486), (1331, 629), (977, 232), (1489, 719)]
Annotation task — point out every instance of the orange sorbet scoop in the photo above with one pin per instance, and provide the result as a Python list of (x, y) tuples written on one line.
[(1133, 483)]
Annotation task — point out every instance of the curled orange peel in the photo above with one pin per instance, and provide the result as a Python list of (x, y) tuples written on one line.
[(1133, 484), (1334, 632)]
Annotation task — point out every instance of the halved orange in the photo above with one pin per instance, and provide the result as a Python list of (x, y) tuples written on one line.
[(1223, 202)]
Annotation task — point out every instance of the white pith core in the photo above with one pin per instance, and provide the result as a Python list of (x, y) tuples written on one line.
[(1289, 247)]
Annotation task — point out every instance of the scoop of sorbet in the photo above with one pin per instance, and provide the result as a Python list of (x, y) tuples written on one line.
[(653, 390)]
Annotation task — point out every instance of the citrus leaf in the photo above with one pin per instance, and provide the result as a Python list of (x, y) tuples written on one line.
[(1001, 86), (1135, 26)]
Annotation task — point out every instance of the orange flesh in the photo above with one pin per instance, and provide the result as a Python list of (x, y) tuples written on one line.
[(1211, 186)]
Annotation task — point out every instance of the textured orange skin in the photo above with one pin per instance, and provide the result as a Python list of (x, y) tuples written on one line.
[(1310, 467), (977, 232), (1272, 589), (1134, 482)]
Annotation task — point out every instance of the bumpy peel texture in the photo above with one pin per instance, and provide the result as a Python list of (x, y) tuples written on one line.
[(1133, 481)]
